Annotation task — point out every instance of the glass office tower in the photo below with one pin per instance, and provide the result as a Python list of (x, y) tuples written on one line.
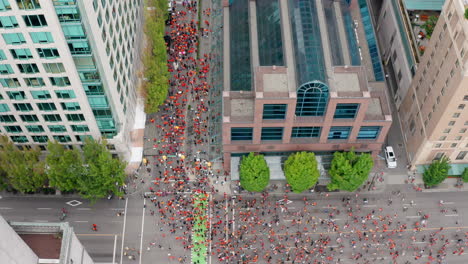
[(68, 71)]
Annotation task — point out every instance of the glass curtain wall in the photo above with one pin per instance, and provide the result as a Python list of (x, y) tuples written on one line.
[(80, 49)]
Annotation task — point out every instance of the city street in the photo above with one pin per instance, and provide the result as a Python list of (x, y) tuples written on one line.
[(104, 245)]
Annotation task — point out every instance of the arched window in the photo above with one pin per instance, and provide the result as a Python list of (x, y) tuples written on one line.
[(312, 98)]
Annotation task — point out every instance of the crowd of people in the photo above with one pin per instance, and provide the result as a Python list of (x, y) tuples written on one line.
[(244, 229)]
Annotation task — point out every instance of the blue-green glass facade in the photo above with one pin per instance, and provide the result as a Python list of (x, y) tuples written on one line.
[(312, 99), (270, 42), (75, 34), (307, 41), (371, 41), (241, 71)]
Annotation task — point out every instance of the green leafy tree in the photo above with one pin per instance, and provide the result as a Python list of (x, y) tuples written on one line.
[(301, 171), (349, 171), (103, 174), (254, 173), (464, 175), (23, 168), (466, 13), (437, 172), (155, 60), (64, 167), (429, 25)]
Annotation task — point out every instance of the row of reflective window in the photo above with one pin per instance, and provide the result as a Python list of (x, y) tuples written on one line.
[(43, 95), (45, 139), (26, 54), (276, 133), (278, 111)]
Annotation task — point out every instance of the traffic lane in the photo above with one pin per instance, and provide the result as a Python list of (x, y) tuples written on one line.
[(100, 247), (27, 204)]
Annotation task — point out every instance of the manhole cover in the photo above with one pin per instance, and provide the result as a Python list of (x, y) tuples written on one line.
[(74, 203)]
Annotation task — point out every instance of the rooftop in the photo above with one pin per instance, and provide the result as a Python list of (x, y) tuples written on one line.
[(46, 246)]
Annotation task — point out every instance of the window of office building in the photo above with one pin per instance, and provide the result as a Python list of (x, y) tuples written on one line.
[(2, 55), (14, 38), (4, 5), (18, 139), (65, 94), (305, 132), (34, 82), (41, 37), (4, 108), (21, 54), (57, 128), (75, 117), (74, 32), (46, 106), (7, 118), (48, 53), (339, 132), (369, 132), (312, 99), (53, 67), (52, 118), (40, 139), (241, 133), (68, 14), (28, 4), (35, 129), (29, 118), (8, 22), (35, 21), (80, 128), (13, 129), (272, 133), (274, 111), (70, 106), (41, 95), (26, 107), (10, 83), (346, 111), (59, 81), (461, 155), (28, 68), (62, 138), (6, 69)]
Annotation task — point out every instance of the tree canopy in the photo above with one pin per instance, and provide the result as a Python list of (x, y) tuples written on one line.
[(104, 174), (349, 171), (22, 169), (437, 172), (429, 25), (254, 173), (64, 167), (155, 60), (301, 171)]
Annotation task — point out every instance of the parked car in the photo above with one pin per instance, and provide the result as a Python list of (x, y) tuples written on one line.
[(390, 157)]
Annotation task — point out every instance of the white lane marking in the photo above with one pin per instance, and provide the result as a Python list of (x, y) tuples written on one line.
[(83, 221), (420, 242), (142, 228), (451, 215), (413, 216), (123, 231), (117, 209), (115, 246), (448, 203), (40, 221), (43, 208), (5, 208), (409, 204), (83, 209), (369, 205)]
